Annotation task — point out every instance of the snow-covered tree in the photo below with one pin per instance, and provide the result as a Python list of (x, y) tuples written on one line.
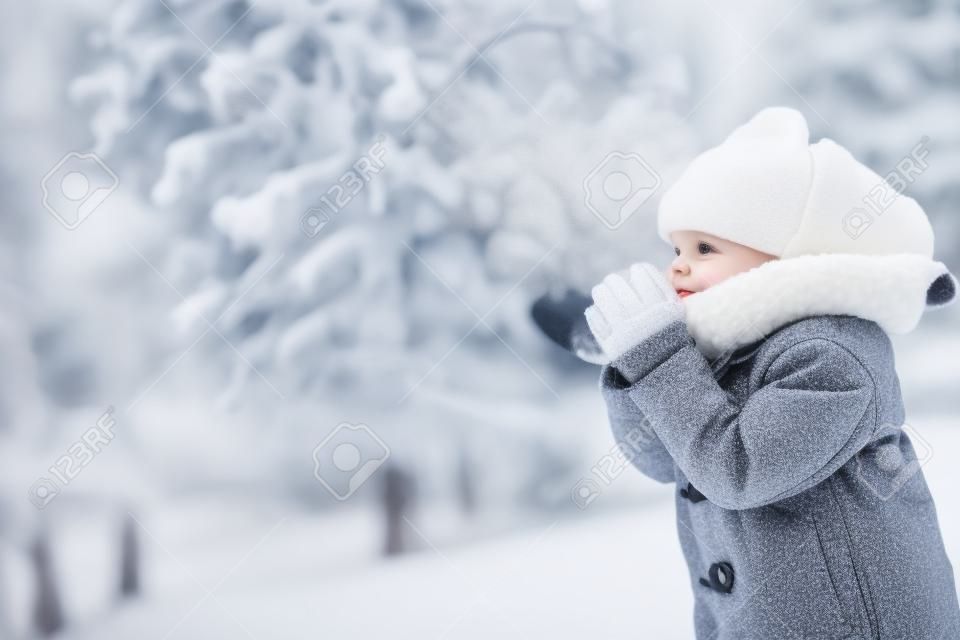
[(366, 196)]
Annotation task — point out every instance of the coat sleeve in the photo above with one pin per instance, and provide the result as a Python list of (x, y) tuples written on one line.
[(814, 409), (632, 431)]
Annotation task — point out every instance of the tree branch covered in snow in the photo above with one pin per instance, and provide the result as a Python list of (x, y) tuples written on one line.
[(486, 147)]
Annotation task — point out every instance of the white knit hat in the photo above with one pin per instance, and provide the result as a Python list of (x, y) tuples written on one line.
[(768, 188)]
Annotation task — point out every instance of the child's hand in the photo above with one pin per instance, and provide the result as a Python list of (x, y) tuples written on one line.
[(628, 310)]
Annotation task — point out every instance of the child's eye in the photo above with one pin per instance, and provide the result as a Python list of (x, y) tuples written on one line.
[(704, 248), (676, 250)]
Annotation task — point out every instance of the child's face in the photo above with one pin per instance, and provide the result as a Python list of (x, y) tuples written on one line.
[(704, 260)]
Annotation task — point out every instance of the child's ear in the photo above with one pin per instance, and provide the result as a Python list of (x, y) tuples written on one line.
[(942, 290)]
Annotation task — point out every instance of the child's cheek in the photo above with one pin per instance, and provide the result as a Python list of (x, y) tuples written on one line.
[(715, 272), (710, 276)]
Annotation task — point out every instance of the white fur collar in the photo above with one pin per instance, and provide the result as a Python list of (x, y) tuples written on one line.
[(890, 290)]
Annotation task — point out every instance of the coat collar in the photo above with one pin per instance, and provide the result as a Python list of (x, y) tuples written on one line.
[(730, 318)]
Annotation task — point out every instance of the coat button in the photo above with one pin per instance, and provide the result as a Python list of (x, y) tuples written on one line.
[(691, 493), (721, 577)]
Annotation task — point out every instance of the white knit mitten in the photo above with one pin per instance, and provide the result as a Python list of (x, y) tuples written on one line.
[(627, 310)]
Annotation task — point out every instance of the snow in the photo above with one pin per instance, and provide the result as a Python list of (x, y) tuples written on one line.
[(607, 576), (608, 571)]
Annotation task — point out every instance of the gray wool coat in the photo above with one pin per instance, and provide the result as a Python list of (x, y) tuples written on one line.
[(801, 508)]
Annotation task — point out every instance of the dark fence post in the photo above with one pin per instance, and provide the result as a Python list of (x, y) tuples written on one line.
[(466, 482), (129, 558), (47, 610), (397, 498)]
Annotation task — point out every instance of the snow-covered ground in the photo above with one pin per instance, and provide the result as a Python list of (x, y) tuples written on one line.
[(602, 577), (599, 573)]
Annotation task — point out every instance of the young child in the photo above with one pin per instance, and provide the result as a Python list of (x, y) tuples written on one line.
[(758, 375)]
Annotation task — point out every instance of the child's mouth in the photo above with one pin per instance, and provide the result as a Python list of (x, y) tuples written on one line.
[(683, 293)]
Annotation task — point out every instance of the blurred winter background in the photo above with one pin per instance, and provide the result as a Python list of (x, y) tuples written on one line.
[(269, 369)]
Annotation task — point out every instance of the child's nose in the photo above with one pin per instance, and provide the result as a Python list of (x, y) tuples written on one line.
[(680, 266)]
